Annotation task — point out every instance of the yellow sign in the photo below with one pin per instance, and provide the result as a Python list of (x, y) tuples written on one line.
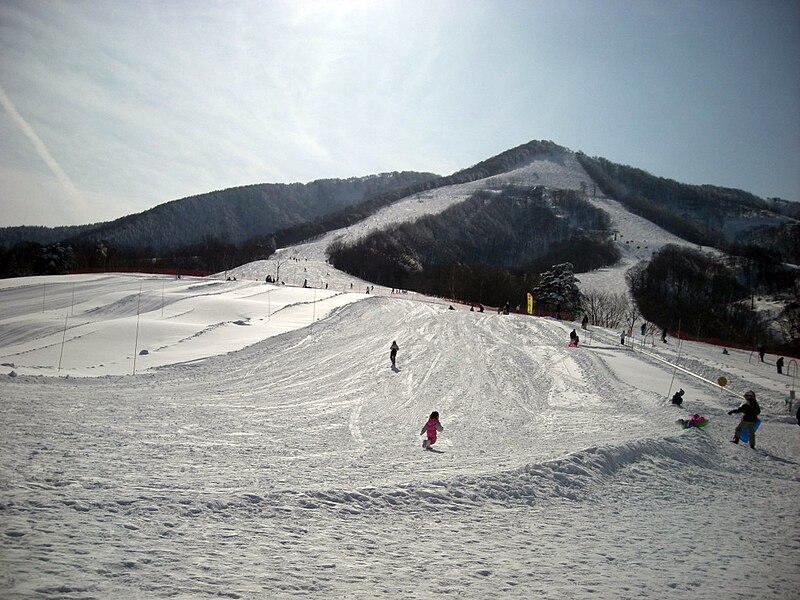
[(722, 381)]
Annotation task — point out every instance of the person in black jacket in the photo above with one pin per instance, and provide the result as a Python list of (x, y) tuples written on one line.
[(678, 397), (750, 411)]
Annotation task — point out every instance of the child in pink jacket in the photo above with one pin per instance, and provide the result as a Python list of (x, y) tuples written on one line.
[(431, 427)]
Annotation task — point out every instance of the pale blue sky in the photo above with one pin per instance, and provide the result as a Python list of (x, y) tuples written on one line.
[(113, 107)]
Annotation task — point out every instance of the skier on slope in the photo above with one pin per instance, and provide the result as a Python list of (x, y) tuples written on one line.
[(431, 427), (750, 411), (393, 352)]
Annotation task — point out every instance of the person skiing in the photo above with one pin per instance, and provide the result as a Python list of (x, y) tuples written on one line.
[(622, 337), (779, 365), (431, 427), (761, 352), (677, 399), (393, 352), (750, 411), (584, 322)]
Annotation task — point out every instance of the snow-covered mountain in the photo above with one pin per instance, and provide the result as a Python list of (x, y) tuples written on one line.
[(637, 238), (232, 215), (699, 214), (265, 448)]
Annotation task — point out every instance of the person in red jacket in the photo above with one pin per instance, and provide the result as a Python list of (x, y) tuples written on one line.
[(750, 411), (431, 427)]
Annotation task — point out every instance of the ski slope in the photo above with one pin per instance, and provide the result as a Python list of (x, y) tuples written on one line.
[(636, 238), (269, 450)]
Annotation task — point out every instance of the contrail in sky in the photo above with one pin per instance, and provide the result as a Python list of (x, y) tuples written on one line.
[(42, 150)]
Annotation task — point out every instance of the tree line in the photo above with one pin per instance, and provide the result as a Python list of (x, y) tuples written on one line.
[(702, 214), (707, 296), (490, 248), (212, 255)]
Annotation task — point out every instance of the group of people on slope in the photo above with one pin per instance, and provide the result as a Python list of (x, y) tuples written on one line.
[(749, 410), (762, 351), (433, 425)]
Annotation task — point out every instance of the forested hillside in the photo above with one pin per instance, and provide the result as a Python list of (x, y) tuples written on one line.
[(485, 249), (237, 214), (702, 214), (502, 163), (39, 234), (208, 232)]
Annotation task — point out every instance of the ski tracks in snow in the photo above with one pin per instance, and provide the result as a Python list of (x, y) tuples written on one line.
[(293, 468)]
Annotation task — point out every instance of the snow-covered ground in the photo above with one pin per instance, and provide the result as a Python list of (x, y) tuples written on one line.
[(287, 462), (208, 438)]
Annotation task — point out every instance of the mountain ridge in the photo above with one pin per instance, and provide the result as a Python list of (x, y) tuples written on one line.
[(233, 214), (249, 222)]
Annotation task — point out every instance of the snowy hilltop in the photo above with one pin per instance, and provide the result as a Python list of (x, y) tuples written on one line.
[(203, 437), (636, 237)]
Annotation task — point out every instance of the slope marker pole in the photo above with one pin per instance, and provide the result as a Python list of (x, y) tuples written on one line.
[(63, 337), (136, 343)]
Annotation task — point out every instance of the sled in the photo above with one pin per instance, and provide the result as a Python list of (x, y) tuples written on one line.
[(696, 421), (744, 436)]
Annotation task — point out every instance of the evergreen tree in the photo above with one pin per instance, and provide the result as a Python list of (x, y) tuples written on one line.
[(558, 288)]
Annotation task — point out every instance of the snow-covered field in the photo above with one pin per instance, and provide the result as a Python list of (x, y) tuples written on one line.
[(265, 449), (201, 438)]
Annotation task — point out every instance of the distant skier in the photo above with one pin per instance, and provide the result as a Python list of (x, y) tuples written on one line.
[(431, 427), (761, 352), (393, 352), (584, 322), (664, 335), (750, 411), (779, 365), (677, 398), (643, 328), (622, 337)]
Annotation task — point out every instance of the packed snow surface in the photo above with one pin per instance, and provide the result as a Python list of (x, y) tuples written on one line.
[(265, 448)]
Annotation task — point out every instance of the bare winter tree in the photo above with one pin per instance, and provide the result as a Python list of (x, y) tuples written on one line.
[(608, 310), (632, 313), (281, 260)]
